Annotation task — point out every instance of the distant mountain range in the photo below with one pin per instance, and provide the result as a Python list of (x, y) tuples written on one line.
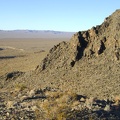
[(34, 34)]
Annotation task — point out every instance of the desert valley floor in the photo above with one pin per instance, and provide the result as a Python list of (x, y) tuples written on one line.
[(23, 54)]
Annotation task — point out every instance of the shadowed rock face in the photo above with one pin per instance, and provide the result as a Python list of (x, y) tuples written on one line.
[(100, 40)]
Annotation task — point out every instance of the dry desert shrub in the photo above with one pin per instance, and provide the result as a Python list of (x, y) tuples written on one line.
[(20, 87), (58, 104)]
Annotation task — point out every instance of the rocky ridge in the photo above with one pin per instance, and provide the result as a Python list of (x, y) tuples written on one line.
[(102, 39), (90, 60), (78, 79)]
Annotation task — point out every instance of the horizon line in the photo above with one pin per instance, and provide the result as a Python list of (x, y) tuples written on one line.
[(35, 30)]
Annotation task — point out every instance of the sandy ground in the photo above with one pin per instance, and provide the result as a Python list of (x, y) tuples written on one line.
[(23, 54)]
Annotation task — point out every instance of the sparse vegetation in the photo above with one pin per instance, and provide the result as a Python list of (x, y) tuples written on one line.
[(20, 87), (58, 104)]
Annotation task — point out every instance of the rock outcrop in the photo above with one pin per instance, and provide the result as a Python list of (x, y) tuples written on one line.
[(103, 39)]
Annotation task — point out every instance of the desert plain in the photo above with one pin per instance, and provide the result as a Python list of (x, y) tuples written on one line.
[(24, 54)]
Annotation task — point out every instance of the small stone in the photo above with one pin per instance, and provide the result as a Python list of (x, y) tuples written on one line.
[(31, 93), (23, 98), (10, 104), (34, 108), (19, 95), (107, 108), (82, 99), (7, 114)]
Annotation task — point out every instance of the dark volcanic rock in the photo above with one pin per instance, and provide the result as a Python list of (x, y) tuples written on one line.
[(13, 75), (1, 49)]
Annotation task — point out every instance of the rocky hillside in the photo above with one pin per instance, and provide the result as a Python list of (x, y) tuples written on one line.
[(90, 60), (89, 63), (79, 79), (103, 40)]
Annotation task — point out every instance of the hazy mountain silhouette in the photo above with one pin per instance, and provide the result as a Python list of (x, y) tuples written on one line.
[(34, 34)]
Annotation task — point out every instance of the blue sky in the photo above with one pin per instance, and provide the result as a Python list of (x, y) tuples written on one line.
[(59, 15)]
